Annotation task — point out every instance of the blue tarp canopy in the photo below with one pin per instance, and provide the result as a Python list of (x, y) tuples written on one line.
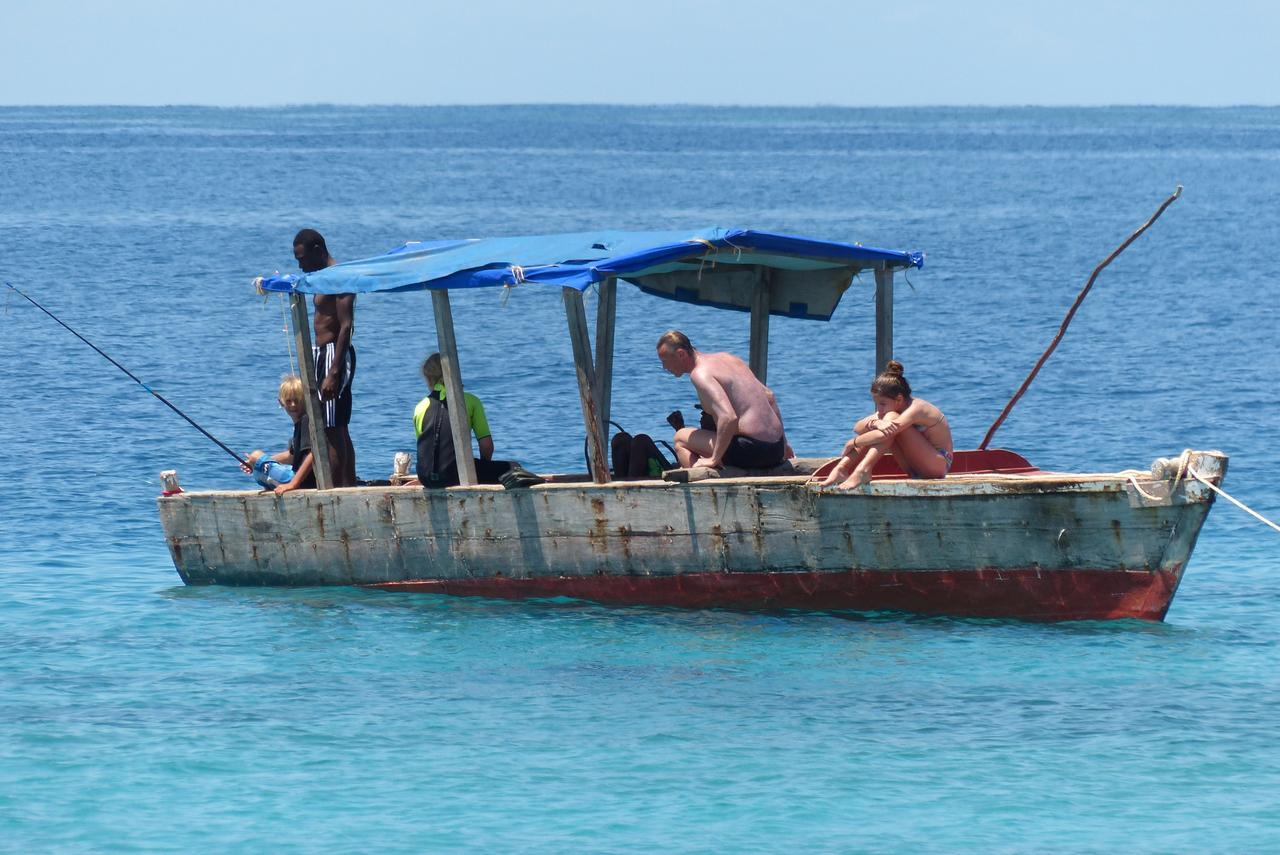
[(713, 266)]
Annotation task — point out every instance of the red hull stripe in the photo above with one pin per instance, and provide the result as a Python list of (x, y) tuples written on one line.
[(1024, 594)]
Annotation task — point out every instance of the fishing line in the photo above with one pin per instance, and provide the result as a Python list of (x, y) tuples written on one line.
[(160, 397), (288, 339)]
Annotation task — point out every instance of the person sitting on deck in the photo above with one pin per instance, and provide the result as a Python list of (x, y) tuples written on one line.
[(749, 432), (290, 469), (925, 452), (437, 464)]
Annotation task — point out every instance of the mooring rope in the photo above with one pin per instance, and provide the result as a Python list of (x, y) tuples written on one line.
[(1184, 469), (1223, 493), (1133, 482)]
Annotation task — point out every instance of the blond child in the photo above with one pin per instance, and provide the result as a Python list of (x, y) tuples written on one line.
[(290, 469)]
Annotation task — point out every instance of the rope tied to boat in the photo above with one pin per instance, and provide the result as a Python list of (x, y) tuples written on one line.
[(710, 250), (1223, 493), (1133, 482), (1186, 469), (518, 278), (1184, 461)]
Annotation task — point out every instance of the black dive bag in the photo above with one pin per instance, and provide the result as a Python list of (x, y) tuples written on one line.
[(437, 463)]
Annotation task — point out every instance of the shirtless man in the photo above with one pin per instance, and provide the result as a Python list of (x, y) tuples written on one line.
[(335, 357), (748, 432)]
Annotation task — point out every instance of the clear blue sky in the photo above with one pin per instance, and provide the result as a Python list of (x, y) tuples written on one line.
[(893, 52)]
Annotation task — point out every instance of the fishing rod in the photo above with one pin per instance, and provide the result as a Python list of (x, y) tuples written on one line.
[(132, 376)]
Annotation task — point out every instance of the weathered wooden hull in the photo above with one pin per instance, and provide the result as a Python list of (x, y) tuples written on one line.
[(1042, 546)]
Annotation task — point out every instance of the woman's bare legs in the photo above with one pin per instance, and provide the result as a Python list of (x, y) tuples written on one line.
[(862, 474), (839, 472), (917, 455)]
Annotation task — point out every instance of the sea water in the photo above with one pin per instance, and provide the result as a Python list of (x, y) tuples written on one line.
[(136, 713)]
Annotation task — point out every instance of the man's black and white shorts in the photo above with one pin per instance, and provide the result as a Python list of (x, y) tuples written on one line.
[(337, 410)]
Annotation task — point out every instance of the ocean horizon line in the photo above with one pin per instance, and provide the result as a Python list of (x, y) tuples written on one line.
[(692, 105)]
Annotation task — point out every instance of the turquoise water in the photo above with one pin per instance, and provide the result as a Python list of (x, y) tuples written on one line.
[(136, 713)]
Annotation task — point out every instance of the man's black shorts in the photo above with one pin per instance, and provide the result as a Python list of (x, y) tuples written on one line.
[(747, 453), (337, 411)]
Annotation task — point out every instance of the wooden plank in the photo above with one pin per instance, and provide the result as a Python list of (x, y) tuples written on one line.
[(884, 317), (606, 316), (453, 387), (760, 301), (311, 397), (576, 315)]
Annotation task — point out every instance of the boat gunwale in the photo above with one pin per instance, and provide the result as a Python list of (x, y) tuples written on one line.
[(953, 485)]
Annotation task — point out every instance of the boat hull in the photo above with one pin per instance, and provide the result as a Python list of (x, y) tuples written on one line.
[(1039, 546)]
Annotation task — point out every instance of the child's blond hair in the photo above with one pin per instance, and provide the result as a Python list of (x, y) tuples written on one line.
[(291, 388)]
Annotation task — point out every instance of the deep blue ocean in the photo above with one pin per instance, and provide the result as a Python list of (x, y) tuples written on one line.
[(136, 713)]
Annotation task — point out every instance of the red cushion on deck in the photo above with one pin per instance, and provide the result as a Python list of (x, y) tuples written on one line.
[(993, 460)]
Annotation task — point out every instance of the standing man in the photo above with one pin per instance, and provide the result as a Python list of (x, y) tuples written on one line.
[(335, 357), (748, 432)]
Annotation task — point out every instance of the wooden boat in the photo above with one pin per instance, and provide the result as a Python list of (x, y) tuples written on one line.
[(997, 538)]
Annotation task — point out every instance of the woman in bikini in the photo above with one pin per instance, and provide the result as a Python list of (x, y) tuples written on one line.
[(913, 429)]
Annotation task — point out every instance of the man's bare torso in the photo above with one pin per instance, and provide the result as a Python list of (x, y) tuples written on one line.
[(327, 319), (749, 398)]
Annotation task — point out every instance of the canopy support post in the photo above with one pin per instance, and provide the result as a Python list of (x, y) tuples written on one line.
[(606, 315), (761, 299), (457, 404), (884, 316), (576, 315), (310, 395)]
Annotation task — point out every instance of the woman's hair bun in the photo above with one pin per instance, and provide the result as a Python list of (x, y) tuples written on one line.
[(893, 366)]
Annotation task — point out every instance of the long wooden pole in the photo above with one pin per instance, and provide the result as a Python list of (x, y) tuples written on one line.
[(758, 356), (606, 317), (576, 315), (453, 387), (1071, 313), (310, 394), (884, 316)]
